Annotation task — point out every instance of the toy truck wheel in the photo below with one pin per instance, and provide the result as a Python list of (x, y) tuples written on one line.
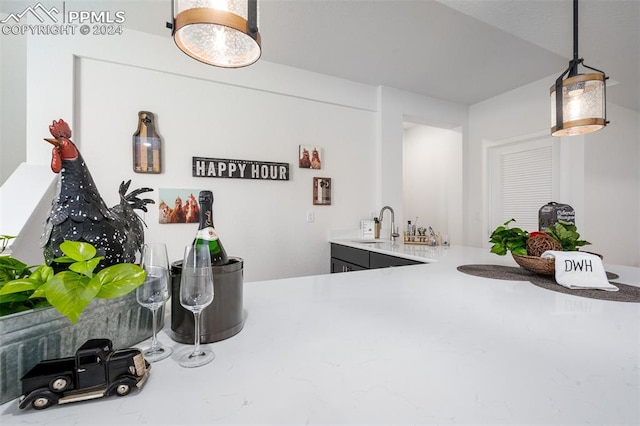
[(123, 389), (42, 402), (59, 384)]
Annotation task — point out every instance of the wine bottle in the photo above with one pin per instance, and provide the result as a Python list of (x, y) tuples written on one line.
[(206, 234), (146, 145)]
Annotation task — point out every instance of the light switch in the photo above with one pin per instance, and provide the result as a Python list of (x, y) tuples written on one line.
[(311, 216)]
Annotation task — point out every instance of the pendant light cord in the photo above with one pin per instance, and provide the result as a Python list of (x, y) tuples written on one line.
[(575, 30), (573, 66)]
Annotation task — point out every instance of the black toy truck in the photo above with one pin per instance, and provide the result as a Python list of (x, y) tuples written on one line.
[(95, 371)]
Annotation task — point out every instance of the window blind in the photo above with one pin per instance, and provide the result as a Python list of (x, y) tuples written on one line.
[(526, 184)]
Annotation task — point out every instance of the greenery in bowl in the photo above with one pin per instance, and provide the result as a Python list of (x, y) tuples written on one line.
[(567, 235), (505, 239), (69, 291)]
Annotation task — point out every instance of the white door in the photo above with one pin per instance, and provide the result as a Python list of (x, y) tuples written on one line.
[(523, 176)]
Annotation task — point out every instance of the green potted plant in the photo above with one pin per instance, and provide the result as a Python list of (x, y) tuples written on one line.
[(77, 302), (69, 291), (13, 269)]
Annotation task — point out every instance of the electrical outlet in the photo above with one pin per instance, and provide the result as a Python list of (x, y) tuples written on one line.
[(311, 216)]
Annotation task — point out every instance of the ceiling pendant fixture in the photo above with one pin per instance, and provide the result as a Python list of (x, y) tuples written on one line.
[(578, 103), (223, 33)]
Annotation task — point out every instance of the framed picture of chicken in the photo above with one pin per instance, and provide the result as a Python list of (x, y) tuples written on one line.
[(322, 191), (310, 157), (178, 206)]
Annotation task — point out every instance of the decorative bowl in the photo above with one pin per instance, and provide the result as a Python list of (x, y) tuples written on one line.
[(536, 264), (539, 265)]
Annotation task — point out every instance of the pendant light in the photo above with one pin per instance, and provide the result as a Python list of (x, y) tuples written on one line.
[(578, 103), (223, 33)]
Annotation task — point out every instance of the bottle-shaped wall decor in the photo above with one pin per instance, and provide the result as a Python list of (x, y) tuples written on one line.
[(147, 145)]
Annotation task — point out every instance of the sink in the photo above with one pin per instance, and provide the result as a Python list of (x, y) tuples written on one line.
[(366, 241)]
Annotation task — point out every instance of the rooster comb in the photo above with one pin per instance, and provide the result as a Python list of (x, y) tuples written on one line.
[(60, 129)]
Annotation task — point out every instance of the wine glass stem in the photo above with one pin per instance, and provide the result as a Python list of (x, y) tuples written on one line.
[(196, 319), (154, 339)]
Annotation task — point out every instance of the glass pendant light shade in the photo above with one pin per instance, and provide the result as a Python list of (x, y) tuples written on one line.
[(217, 32), (579, 102), (583, 105)]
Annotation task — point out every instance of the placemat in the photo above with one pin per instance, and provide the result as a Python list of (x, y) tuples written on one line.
[(626, 293)]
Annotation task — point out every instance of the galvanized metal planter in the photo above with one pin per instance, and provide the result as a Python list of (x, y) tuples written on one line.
[(28, 337)]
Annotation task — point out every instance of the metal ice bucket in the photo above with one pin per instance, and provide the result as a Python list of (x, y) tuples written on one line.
[(223, 318)]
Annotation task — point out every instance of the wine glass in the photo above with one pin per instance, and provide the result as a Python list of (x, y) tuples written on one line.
[(154, 292), (196, 293)]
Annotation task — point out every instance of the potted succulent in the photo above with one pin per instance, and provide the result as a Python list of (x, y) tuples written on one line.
[(30, 334), (526, 248)]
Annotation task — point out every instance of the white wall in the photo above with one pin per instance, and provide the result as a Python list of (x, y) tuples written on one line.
[(432, 183), (396, 107), (599, 171), (259, 113), (612, 188), (262, 112), (263, 222), (12, 103)]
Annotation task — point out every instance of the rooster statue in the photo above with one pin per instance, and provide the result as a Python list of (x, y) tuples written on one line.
[(79, 213)]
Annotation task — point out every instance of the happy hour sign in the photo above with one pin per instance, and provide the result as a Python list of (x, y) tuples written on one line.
[(239, 169)]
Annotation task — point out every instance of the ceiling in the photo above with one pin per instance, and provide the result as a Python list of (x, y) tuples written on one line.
[(464, 51)]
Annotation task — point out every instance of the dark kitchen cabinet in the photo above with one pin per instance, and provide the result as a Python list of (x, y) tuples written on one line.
[(345, 259), (338, 265), (377, 260)]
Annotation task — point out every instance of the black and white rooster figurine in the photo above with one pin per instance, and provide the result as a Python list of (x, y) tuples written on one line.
[(78, 213)]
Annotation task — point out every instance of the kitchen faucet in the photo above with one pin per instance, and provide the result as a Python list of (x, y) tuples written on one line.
[(393, 234)]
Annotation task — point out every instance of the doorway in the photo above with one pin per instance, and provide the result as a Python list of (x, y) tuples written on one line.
[(432, 179)]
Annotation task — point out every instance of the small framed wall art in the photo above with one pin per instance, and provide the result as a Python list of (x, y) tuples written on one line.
[(322, 191), (310, 157), (178, 206)]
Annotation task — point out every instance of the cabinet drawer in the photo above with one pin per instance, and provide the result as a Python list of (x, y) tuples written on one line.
[(338, 265), (377, 260), (350, 255)]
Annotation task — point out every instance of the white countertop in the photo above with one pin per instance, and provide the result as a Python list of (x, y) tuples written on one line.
[(422, 344)]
